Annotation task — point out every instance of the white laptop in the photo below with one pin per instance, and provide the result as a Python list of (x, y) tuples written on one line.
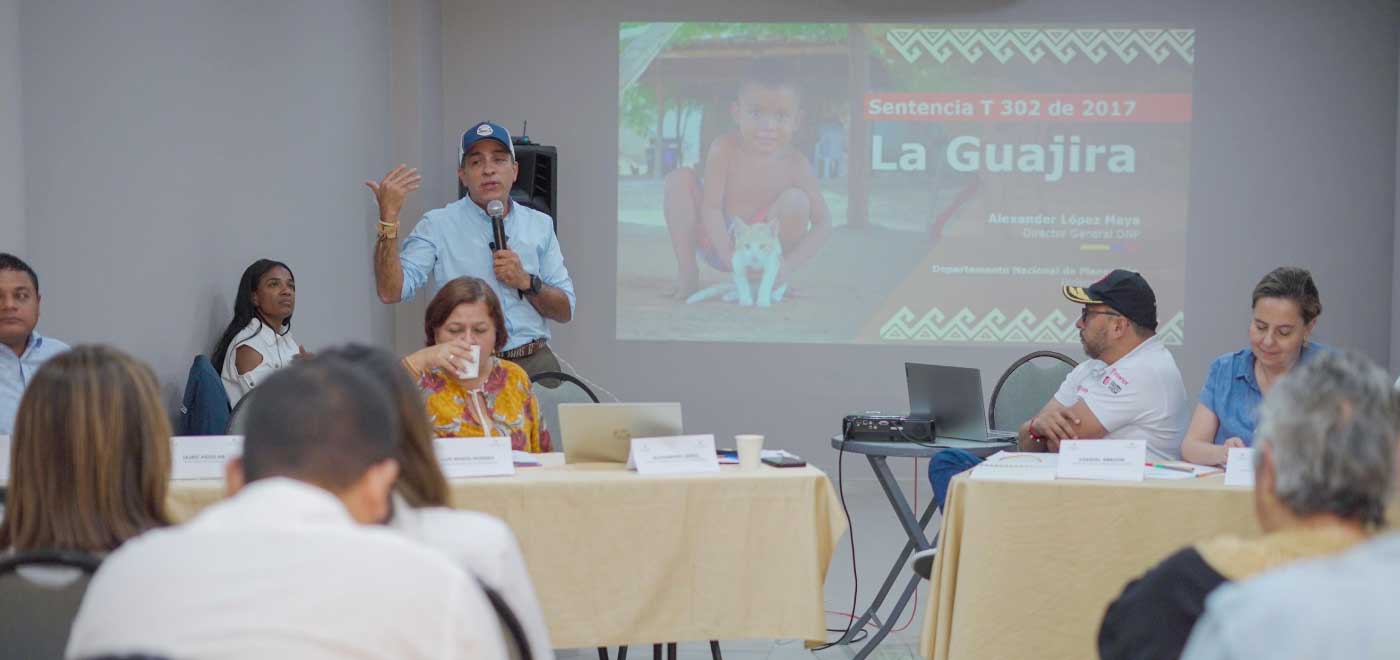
[(603, 432)]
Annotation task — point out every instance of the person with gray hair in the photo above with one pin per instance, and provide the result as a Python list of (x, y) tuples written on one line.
[(1324, 465)]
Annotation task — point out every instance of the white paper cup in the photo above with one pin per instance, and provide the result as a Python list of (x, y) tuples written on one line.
[(750, 451), (467, 370)]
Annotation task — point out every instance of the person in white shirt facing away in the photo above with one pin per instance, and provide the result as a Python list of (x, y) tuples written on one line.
[(480, 543), (293, 564), (1341, 607), (258, 340)]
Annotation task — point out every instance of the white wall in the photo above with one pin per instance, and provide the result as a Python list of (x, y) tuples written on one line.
[(13, 225), (1293, 157), (416, 63), (170, 144), (1395, 262)]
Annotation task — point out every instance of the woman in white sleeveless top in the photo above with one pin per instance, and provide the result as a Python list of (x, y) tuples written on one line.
[(258, 341)]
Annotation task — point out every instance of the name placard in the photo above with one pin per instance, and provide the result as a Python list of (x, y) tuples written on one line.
[(202, 456), (680, 454), (1102, 460), (4, 460), (474, 457), (1239, 467)]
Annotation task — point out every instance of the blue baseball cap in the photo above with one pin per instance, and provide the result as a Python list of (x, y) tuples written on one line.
[(485, 131)]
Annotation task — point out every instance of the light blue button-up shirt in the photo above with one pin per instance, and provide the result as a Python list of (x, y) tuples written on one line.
[(17, 370), (456, 240), (1232, 392)]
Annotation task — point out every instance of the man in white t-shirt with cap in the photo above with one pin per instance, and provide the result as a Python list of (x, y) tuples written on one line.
[(1128, 389)]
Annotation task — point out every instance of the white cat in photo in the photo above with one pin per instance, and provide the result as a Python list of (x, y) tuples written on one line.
[(756, 249)]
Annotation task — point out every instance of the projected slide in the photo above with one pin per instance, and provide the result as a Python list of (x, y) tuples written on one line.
[(896, 184)]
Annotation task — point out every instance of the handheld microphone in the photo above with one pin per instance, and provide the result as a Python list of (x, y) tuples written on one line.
[(497, 211)]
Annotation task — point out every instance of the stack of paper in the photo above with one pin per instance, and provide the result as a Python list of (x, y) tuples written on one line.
[(1017, 466)]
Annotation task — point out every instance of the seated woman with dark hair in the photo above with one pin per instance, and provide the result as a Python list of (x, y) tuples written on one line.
[(1324, 461), (497, 401), (482, 543), (258, 340), (93, 417), (1285, 309)]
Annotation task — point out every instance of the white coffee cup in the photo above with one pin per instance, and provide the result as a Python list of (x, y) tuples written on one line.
[(750, 450), (468, 370)]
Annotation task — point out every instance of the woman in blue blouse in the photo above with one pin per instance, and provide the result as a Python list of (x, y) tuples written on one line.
[(1286, 307)]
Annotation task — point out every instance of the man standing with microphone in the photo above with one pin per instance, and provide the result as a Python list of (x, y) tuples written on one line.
[(484, 235)]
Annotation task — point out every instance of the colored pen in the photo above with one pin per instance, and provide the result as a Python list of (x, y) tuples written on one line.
[(1171, 467)]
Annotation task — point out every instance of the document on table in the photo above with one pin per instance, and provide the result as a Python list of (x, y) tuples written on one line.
[(731, 456), (1239, 469), (524, 459), (1172, 470), (1017, 466)]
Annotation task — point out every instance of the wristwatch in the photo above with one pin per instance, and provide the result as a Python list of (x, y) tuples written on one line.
[(535, 285)]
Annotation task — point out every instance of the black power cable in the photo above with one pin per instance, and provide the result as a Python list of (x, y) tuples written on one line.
[(851, 528)]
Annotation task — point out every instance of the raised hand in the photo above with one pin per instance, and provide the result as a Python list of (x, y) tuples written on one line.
[(393, 189)]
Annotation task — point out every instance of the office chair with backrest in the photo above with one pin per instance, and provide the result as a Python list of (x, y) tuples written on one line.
[(238, 419), (1025, 387), (37, 607), (567, 389)]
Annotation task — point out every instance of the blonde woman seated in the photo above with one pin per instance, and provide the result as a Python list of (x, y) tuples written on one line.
[(90, 455), (497, 401), (1324, 462), (479, 542)]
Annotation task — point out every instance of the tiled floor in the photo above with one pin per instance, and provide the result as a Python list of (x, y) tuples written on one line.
[(879, 539)]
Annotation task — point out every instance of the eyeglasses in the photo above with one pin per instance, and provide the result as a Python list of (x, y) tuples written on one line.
[(1085, 313)]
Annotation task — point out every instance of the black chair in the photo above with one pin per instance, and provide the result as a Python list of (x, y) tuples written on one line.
[(1025, 387), (238, 418), (552, 388), (518, 645), (37, 607)]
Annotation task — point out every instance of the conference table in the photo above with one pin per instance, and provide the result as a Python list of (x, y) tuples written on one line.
[(1026, 569), (617, 558)]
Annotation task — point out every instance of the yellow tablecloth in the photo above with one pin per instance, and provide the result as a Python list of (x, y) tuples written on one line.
[(1026, 569), (618, 558)]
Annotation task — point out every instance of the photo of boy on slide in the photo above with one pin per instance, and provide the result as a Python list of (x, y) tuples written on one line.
[(752, 175)]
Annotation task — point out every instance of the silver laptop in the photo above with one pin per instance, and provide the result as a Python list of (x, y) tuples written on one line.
[(603, 432), (952, 397)]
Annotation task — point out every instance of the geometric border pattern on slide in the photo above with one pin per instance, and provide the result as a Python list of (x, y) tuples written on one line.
[(996, 327), (1062, 44)]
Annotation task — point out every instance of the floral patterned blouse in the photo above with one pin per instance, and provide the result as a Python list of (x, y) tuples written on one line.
[(510, 405)]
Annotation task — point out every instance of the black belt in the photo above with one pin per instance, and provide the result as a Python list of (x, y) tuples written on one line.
[(523, 351)]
